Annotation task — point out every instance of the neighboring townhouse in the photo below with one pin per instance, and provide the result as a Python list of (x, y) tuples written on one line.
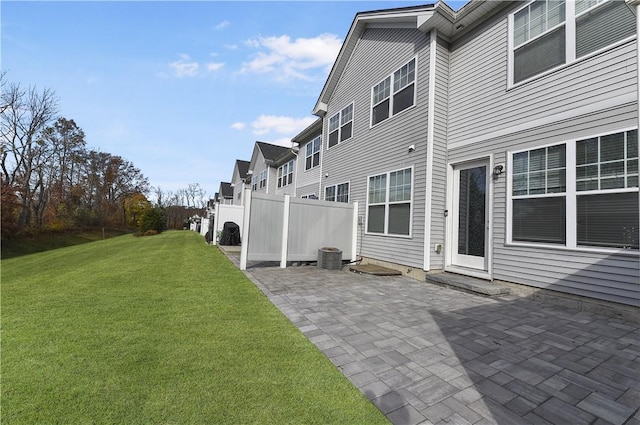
[(225, 194), (240, 171), (375, 132), (499, 141), (261, 168), (308, 174)]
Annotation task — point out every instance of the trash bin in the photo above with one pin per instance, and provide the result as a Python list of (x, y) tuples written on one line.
[(230, 234)]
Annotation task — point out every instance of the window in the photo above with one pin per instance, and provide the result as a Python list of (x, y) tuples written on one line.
[(607, 212), (593, 180), (254, 183), (539, 199), (312, 196), (389, 203), (341, 126), (337, 193), (386, 102), (285, 174), (543, 38), (312, 156), (263, 179)]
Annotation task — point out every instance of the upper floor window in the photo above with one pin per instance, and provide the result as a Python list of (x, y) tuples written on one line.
[(254, 183), (285, 174), (312, 156), (263, 179), (341, 126), (547, 34), (337, 193), (394, 94)]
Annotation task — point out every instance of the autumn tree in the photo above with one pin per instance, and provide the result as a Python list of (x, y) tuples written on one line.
[(68, 143), (135, 206)]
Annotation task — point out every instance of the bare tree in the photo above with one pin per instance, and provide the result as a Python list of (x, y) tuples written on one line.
[(25, 115)]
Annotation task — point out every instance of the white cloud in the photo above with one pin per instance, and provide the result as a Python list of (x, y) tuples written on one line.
[(265, 124), (284, 141), (231, 46), (222, 25), (185, 67), (288, 59), (214, 66), (238, 125)]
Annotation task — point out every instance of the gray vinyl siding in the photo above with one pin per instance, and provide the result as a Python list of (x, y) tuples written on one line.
[(237, 187), (306, 178), (612, 277), (258, 166), (310, 189), (496, 119), (481, 103), (439, 177), (384, 147)]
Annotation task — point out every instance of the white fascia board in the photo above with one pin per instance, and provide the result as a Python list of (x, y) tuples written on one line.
[(320, 109)]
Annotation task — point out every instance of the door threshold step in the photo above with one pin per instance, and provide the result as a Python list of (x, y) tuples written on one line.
[(467, 283)]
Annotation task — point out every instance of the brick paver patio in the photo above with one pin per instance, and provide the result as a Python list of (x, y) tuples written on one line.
[(425, 354)]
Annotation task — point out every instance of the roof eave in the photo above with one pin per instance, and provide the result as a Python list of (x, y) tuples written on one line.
[(315, 127)]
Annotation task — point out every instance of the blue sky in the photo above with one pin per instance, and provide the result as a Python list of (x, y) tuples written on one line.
[(180, 89)]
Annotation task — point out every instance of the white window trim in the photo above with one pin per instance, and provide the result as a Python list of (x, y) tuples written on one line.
[(312, 153), (283, 178), (266, 179), (570, 43), (341, 124), (324, 196), (391, 114), (387, 203), (571, 195)]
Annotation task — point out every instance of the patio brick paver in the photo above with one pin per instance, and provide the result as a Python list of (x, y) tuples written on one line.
[(426, 354)]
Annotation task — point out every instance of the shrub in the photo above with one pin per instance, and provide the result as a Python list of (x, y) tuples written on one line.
[(152, 219)]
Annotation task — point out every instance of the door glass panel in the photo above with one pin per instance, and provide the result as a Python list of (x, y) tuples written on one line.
[(471, 213)]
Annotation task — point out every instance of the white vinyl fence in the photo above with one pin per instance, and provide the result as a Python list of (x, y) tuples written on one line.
[(224, 213), (205, 225), (282, 228)]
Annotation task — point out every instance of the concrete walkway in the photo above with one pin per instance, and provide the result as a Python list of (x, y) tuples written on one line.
[(425, 354)]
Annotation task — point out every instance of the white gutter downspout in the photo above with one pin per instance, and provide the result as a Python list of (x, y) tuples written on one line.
[(431, 113)]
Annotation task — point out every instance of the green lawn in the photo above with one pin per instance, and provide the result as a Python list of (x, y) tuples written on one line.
[(157, 330)]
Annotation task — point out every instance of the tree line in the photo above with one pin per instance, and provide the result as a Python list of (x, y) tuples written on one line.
[(51, 179)]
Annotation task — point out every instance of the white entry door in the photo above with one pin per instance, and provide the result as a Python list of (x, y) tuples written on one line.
[(470, 221)]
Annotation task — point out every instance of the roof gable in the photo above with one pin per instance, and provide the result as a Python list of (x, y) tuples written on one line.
[(226, 191), (271, 152), (240, 170), (439, 16)]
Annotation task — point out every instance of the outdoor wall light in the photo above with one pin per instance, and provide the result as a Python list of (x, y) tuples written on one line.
[(497, 170)]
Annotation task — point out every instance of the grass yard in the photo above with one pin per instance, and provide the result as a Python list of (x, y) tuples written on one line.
[(47, 240), (157, 330)]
